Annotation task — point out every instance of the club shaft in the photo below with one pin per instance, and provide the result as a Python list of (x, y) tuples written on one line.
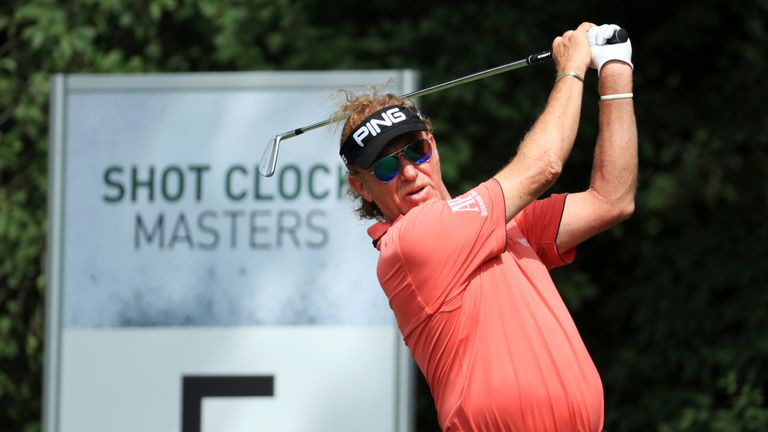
[(299, 131), (473, 77), (535, 58), (466, 79)]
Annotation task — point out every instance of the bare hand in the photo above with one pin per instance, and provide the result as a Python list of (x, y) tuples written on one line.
[(571, 51)]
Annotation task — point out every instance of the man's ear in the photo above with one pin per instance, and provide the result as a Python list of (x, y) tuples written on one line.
[(358, 186)]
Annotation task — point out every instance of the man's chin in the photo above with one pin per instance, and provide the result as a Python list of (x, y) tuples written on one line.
[(413, 204)]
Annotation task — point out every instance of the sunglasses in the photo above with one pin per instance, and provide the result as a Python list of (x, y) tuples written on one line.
[(386, 168)]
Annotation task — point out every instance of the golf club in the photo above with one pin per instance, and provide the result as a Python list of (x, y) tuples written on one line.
[(269, 159)]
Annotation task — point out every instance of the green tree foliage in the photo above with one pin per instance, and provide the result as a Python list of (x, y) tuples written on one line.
[(672, 304)]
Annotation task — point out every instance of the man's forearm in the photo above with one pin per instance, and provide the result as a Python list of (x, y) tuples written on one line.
[(555, 130), (614, 170), (542, 153), (545, 148)]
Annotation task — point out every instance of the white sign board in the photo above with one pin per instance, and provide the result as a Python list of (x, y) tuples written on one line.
[(187, 293)]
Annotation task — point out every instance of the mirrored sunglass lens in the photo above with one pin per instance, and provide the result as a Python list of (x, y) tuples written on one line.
[(418, 151), (386, 169)]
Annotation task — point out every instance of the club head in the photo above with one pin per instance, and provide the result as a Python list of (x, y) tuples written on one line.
[(269, 158)]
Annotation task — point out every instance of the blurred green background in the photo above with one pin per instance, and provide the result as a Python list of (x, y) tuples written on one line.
[(672, 304)]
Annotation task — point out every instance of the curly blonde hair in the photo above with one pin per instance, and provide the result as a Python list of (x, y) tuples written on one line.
[(355, 109)]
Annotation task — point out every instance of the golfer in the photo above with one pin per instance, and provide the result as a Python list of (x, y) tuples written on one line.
[(467, 277)]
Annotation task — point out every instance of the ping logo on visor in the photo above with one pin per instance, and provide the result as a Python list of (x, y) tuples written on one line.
[(369, 137), (373, 126)]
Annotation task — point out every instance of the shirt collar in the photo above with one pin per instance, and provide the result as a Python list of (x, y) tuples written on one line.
[(377, 230)]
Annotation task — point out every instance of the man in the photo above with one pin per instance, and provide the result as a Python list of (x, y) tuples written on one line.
[(467, 277)]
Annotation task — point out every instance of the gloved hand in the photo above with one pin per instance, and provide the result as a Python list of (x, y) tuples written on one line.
[(602, 53)]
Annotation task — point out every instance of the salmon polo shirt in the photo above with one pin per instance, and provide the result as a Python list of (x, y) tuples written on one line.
[(476, 306)]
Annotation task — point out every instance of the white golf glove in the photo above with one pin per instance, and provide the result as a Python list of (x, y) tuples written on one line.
[(601, 53)]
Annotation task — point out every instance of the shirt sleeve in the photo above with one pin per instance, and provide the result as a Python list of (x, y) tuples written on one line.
[(539, 222), (443, 243)]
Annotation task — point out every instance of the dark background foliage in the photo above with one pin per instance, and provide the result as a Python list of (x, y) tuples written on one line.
[(672, 304)]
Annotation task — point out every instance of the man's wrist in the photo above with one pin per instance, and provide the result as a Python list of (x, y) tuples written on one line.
[(615, 78), (574, 74), (580, 69)]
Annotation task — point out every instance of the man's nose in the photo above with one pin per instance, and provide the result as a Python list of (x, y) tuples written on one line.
[(408, 169)]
